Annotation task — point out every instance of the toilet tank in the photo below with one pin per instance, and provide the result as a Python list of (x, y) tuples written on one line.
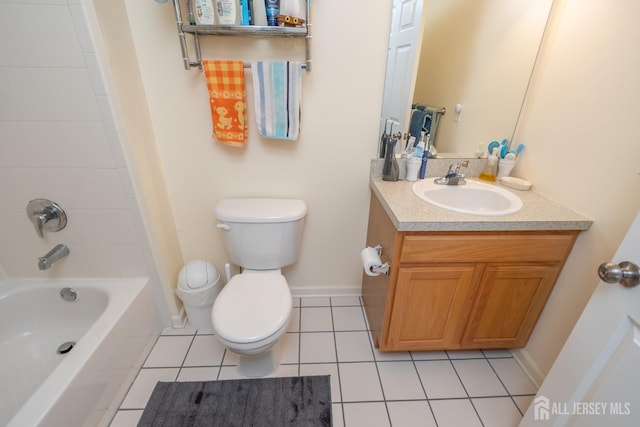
[(262, 234)]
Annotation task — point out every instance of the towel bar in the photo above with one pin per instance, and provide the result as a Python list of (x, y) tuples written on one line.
[(304, 66)]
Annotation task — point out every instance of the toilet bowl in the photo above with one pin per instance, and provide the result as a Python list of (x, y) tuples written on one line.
[(252, 311), (249, 316)]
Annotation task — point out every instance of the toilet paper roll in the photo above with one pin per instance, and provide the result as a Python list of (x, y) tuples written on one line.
[(370, 260)]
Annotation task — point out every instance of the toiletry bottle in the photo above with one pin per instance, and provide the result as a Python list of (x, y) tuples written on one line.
[(272, 9), (491, 169), (259, 13), (390, 171), (204, 12), (228, 12)]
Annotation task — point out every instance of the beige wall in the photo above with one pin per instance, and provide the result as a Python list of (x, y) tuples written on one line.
[(328, 166), (582, 148)]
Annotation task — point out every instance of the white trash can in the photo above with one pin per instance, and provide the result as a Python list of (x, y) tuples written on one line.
[(198, 286)]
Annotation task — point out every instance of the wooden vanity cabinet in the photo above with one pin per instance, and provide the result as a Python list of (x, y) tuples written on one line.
[(459, 289)]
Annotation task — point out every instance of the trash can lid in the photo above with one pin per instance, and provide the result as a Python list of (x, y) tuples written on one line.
[(197, 274)]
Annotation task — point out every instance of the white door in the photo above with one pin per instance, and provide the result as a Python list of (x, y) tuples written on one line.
[(404, 46), (595, 381)]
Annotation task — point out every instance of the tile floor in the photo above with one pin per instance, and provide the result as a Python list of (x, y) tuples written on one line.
[(368, 388)]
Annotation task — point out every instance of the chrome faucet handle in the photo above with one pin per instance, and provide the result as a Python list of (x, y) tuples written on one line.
[(46, 216)]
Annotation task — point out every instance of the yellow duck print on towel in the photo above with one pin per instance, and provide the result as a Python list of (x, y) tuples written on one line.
[(225, 81)]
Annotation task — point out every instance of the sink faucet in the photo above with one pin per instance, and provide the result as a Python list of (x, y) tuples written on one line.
[(453, 176), (60, 251)]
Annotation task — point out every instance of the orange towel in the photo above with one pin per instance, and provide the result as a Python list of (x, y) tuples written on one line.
[(225, 82)]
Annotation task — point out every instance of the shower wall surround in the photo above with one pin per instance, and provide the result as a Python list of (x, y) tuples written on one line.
[(60, 139)]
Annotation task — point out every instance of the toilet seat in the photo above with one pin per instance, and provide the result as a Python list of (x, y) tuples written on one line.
[(252, 307)]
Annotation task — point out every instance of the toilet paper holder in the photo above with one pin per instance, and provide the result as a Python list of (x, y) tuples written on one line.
[(384, 268)]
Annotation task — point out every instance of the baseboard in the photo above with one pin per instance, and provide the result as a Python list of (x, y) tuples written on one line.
[(326, 291), (179, 321), (528, 365)]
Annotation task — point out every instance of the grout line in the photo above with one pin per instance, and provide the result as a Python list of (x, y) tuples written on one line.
[(335, 348), (465, 390)]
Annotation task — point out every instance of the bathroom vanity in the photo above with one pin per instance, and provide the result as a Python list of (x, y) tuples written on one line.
[(460, 281)]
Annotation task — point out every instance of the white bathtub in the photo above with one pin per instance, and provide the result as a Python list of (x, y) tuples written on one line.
[(112, 323)]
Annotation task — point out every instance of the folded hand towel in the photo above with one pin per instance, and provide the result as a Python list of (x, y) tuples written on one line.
[(278, 94), (225, 82)]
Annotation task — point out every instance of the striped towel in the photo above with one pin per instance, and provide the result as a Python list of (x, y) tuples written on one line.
[(278, 94), (225, 82)]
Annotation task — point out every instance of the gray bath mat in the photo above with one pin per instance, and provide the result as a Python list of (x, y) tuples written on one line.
[(290, 401)]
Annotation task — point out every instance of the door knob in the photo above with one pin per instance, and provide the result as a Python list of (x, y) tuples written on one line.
[(626, 273)]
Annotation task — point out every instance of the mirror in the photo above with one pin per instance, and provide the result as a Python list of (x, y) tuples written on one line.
[(479, 55)]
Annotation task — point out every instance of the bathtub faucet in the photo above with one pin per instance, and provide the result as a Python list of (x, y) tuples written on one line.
[(60, 251)]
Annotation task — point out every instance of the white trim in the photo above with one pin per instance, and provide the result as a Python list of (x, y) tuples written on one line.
[(528, 365), (332, 291)]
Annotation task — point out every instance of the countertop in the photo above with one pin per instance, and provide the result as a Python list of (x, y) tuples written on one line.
[(409, 213)]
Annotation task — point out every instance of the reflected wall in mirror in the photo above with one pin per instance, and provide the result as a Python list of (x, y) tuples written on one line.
[(479, 54)]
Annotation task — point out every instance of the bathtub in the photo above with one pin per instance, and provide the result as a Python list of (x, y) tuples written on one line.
[(112, 325)]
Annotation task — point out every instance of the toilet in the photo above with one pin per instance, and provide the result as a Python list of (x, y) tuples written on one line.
[(252, 311)]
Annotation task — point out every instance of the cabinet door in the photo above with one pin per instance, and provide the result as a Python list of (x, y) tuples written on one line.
[(429, 307), (508, 304)]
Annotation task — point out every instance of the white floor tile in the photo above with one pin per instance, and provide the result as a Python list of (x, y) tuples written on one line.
[(206, 350), (497, 411), (330, 369), (169, 351), (455, 413), (126, 418), (317, 347), (492, 354), (353, 347), (523, 402), (289, 348), (410, 414), (296, 302), (345, 301), (391, 355), (400, 381), (175, 331), (371, 414), (429, 355), (348, 319), (315, 319), (439, 379), (207, 373), (359, 382), (230, 358), (478, 378), (315, 302), (294, 321), (513, 377), (144, 384), (337, 419), (465, 354), (231, 372)]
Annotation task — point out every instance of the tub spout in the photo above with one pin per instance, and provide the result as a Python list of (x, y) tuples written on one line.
[(60, 251)]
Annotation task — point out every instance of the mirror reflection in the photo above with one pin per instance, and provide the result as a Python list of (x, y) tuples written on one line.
[(475, 60)]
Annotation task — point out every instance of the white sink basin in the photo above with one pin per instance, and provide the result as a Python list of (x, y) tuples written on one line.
[(474, 197)]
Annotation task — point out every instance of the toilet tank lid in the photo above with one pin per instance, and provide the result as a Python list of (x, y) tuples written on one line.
[(260, 210)]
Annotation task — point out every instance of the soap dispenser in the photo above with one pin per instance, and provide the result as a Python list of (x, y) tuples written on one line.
[(390, 170), (491, 169)]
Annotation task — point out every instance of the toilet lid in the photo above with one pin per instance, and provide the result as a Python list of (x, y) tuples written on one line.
[(251, 307)]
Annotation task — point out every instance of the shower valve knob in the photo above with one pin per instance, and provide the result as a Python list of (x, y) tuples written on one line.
[(46, 216)]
